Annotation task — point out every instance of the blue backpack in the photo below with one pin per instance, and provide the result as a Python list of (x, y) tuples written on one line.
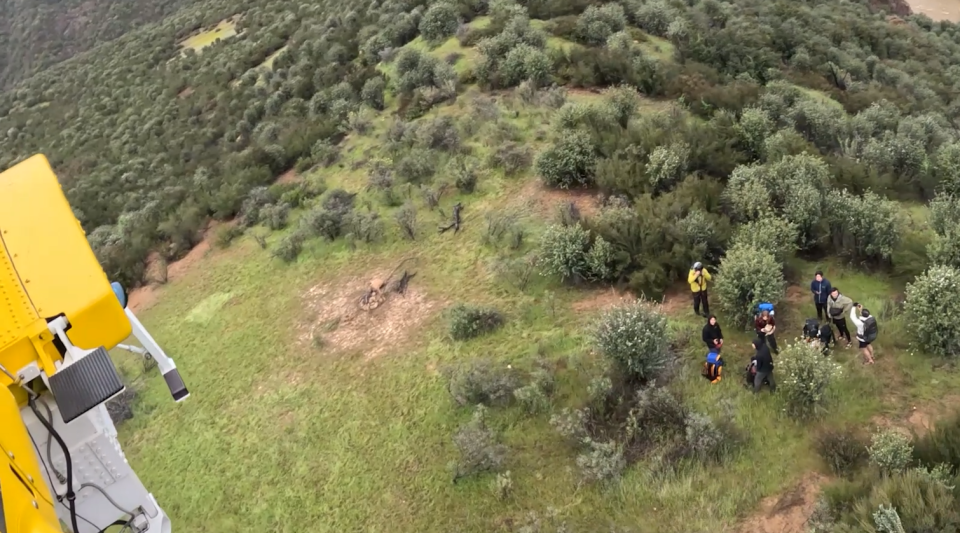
[(765, 306)]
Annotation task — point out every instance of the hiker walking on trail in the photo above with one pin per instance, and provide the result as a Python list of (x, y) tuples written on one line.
[(866, 331), (838, 306), (766, 326), (762, 362), (712, 334), (698, 278), (820, 287)]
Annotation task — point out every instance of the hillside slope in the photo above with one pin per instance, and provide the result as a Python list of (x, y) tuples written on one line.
[(35, 34)]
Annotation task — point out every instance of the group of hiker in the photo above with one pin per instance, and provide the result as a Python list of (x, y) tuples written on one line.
[(831, 305)]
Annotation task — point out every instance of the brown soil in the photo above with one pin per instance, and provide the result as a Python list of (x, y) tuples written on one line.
[(602, 299), (289, 176), (145, 297), (340, 325), (546, 201), (922, 418), (937, 9), (788, 512), (185, 93), (797, 295)]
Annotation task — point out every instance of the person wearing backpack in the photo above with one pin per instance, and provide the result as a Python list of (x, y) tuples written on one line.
[(762, 367), (838, 306), (866, 331), (698, 278), (713, 366), (821, 289), (766, 325)]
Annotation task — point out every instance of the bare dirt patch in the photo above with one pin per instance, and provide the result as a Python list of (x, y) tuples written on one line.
[(341, 326), (145, 297), (788, 512), (923, 417), (289, 176), (602, 299), (937, 9), (185, 93), (546, 201)]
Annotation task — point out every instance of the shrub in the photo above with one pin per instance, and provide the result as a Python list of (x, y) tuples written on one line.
[(941, 474), (804, 379), (794, 187), (634, 337), (368, 227), (563, 252), (843, 449), (946, 168), (502, 486), (464, 173), (600, 260), (372, 93), (921, 503), (500, 224), (890, 451), (942, 444), (596, 24), (406, 218), (754, 128), (667, 165), (933, 311), (887, 520), (324, 153), (601, 461), (289, 247), (746, 277), (515, 271), (438, 134), (571, 424), (478, 446), (439, 22), (622, 101), (512, 157), (483, 382), (864, 228), (226, 234), (467, 322), (274, 216), (569, 162), (525, 62), (706, 440), (532, 398), (770, 233)]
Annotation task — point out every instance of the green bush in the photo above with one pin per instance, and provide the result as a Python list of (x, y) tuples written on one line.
[(634, 337), (571, 425), (667, 165), (478, 446), (770, 233), (467, 322), (226, 234), (372, 92), (406, 218), (601, 462), (753, 129), (933, 311), (483, 382), (865, 228), (566, 251), (569, 162), (804, 379), (512, 157), (289, 247), (596, 24), (439, 22), (890, 451), (465, 174), (843, 449), (942, 444), (746, 277), (274, 216)]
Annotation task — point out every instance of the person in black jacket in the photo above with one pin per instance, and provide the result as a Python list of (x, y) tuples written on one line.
[(712, 334), (821, 289), (763, 362)]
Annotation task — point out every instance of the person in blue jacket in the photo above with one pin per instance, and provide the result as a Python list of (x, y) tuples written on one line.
[(821, 288)]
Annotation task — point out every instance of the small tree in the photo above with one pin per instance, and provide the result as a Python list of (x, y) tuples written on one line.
[(753, 129), (596, 24), (805, 378), (569, 162), (770, 233), (667, 165), (634, 337), (891, 451), (747, 277), (622, 101), (439, 22), (933, 310), (865, 228), (372, 93), (467, 322)]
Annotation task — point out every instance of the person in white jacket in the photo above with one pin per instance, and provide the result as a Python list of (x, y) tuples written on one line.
[(863, 322)]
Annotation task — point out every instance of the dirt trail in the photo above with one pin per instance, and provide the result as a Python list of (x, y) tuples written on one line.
[(145, 297), (788, 512)]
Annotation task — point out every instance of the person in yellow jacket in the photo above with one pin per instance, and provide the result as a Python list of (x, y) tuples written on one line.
[(698, 278)]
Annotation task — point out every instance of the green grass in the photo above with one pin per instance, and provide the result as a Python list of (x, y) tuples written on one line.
[(223, 30), (281, 435), (820, 96), (658, 48)]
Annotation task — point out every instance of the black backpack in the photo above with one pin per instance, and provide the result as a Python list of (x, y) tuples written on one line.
[(870, 329), (811, 328)]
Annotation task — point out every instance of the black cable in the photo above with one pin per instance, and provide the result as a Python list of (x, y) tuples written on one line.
[(70, 495), (49, 444)]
